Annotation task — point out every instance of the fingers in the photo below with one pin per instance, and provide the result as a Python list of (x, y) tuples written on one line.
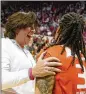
[(51, 64), (42, 55), (52, 69), (50, 73), (52, 59)]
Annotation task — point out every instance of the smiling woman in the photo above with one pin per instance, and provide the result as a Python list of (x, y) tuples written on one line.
[(21, 24), (19, 20), (18, 66), (24, 36)]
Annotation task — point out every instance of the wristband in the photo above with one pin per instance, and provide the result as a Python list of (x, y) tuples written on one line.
[(30, 74)]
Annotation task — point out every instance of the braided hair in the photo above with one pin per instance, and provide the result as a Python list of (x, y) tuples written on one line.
[(70, 35)]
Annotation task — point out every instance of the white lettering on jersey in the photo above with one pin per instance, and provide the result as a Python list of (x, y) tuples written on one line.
[(83, 75), (82, 92)]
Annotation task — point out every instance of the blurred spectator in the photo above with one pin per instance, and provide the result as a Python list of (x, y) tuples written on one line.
[(2, 30), (48, 15)]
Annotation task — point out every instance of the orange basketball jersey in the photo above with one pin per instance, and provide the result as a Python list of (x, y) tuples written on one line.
[(71, 80)]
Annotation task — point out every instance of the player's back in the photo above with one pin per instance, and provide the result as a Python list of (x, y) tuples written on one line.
[(71, 80)]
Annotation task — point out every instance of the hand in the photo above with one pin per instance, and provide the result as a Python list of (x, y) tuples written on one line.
[(46, 66)]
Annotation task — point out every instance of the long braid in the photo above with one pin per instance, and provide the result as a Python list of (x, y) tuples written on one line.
[(70, 35)]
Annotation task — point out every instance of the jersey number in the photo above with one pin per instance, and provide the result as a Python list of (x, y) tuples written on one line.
[(83, 75)]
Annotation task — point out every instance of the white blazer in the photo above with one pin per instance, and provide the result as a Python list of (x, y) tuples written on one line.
[(15, 64)]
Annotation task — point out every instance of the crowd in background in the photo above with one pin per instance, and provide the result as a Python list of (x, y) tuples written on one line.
[(48, 15)]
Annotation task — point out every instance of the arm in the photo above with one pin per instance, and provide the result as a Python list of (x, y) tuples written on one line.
[(11, 79), (44, 85)]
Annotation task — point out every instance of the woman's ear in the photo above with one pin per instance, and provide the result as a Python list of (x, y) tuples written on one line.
[(17, 31)]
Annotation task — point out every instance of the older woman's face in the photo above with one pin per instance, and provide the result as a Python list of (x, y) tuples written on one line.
[(24, 36)]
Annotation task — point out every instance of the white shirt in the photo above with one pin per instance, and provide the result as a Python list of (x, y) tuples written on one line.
[(15, 63)]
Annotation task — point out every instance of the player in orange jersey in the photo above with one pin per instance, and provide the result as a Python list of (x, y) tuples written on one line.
[(69, 47)]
